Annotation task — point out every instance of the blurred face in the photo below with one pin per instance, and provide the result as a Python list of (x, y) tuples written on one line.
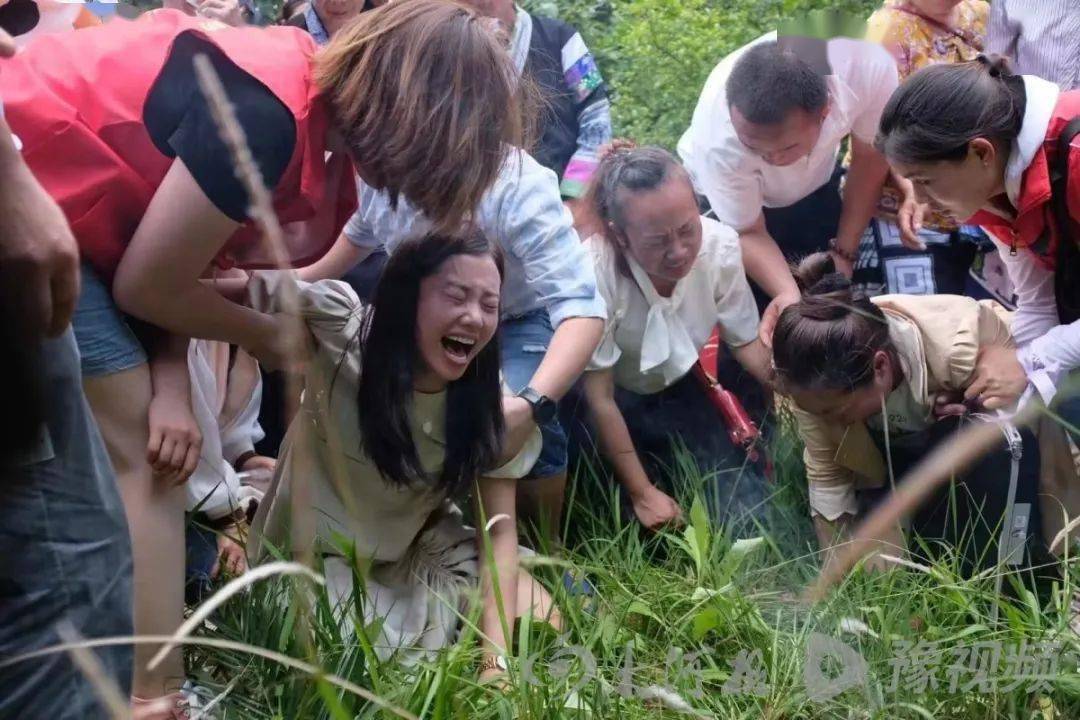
[(335, 14), (662, 230), (457, 315), (781, 143), (935, 8), (959, 187), (850, 407)]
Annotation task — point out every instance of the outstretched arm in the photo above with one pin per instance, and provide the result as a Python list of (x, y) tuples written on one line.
[(158, 278), (342, 257), (498, 564), (653, 507), (862, 189)]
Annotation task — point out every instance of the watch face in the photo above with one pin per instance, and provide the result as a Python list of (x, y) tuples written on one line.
[(544, 410)]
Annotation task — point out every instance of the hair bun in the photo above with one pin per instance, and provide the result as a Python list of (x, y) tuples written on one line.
[(997, 66), (614, 149), (831, 284), (816, 274)]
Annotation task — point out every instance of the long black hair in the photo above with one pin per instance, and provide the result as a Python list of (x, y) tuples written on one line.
[(474, 419), (941, 108)]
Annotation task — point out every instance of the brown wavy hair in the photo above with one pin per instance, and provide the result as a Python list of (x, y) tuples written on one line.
[(428, 101)]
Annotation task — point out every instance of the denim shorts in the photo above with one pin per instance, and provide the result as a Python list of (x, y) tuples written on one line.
[(107, 344), (523, 343)]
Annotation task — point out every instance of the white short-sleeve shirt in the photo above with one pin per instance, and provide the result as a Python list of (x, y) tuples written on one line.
[(651, 341), (737, 182)]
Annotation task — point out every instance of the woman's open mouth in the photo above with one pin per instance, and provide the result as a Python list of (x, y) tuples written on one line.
[(458, 347)]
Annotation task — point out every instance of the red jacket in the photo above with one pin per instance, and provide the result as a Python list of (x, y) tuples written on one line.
[(1034, 227), (76, 101)]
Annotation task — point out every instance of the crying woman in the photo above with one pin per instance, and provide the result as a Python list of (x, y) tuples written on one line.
[(403, 411)]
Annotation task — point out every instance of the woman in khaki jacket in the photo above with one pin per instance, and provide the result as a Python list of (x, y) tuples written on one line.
[(866, 377)]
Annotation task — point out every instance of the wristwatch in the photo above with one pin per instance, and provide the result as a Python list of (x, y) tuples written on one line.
[(543, 407)]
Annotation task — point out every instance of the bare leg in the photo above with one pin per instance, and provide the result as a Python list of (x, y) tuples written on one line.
[(155, 515), (533, 598), (540, 501)]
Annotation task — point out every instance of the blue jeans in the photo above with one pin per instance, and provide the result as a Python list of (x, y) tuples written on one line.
[(523, 342), (107, 344), (65, 554), (202, 552)]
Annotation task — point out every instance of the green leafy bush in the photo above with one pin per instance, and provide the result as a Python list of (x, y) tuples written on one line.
[(656, 54)]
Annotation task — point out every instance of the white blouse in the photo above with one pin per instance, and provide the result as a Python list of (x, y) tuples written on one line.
[(652, 341)]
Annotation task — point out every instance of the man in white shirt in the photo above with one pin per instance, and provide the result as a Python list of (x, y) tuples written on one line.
[(763, 144)]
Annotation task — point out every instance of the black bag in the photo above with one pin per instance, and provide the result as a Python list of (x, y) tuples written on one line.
[(995, 499), (1067, 267)]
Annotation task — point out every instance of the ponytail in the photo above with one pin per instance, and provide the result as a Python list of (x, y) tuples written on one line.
[(827, 340), (940, 109), (625, 166)]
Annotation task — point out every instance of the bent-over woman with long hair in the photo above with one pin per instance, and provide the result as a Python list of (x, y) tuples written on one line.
[(413, 416)]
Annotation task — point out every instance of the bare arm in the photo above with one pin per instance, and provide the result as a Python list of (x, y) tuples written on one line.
[(158, 278), (342, 257), (615, 441), (862, 189), (175, 438), (498, 589), (653, 507), (39, 259), (765, 263), (567, 355), (756, 360)]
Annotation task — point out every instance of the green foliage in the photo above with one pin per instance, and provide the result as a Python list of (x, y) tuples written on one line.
[(678, 611), (656, 54)]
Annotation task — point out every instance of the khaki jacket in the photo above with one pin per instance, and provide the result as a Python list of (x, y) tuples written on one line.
[(938, 339)]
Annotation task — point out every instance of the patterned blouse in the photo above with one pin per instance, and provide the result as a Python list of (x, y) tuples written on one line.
[(916, 42)]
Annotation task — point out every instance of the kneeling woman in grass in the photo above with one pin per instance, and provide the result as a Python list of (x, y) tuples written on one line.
[(868, 378), (669, 277), (402, 409)]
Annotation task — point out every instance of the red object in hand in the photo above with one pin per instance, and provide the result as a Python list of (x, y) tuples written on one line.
[(741, 429)]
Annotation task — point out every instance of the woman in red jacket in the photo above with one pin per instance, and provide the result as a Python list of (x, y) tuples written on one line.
[(1000, 151), (419, 97)]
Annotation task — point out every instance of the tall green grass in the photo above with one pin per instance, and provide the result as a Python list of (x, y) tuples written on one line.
[(692, 593)]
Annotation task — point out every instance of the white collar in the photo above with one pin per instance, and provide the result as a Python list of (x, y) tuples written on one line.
[(1042, 97), (666, 344), (519, 43)]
